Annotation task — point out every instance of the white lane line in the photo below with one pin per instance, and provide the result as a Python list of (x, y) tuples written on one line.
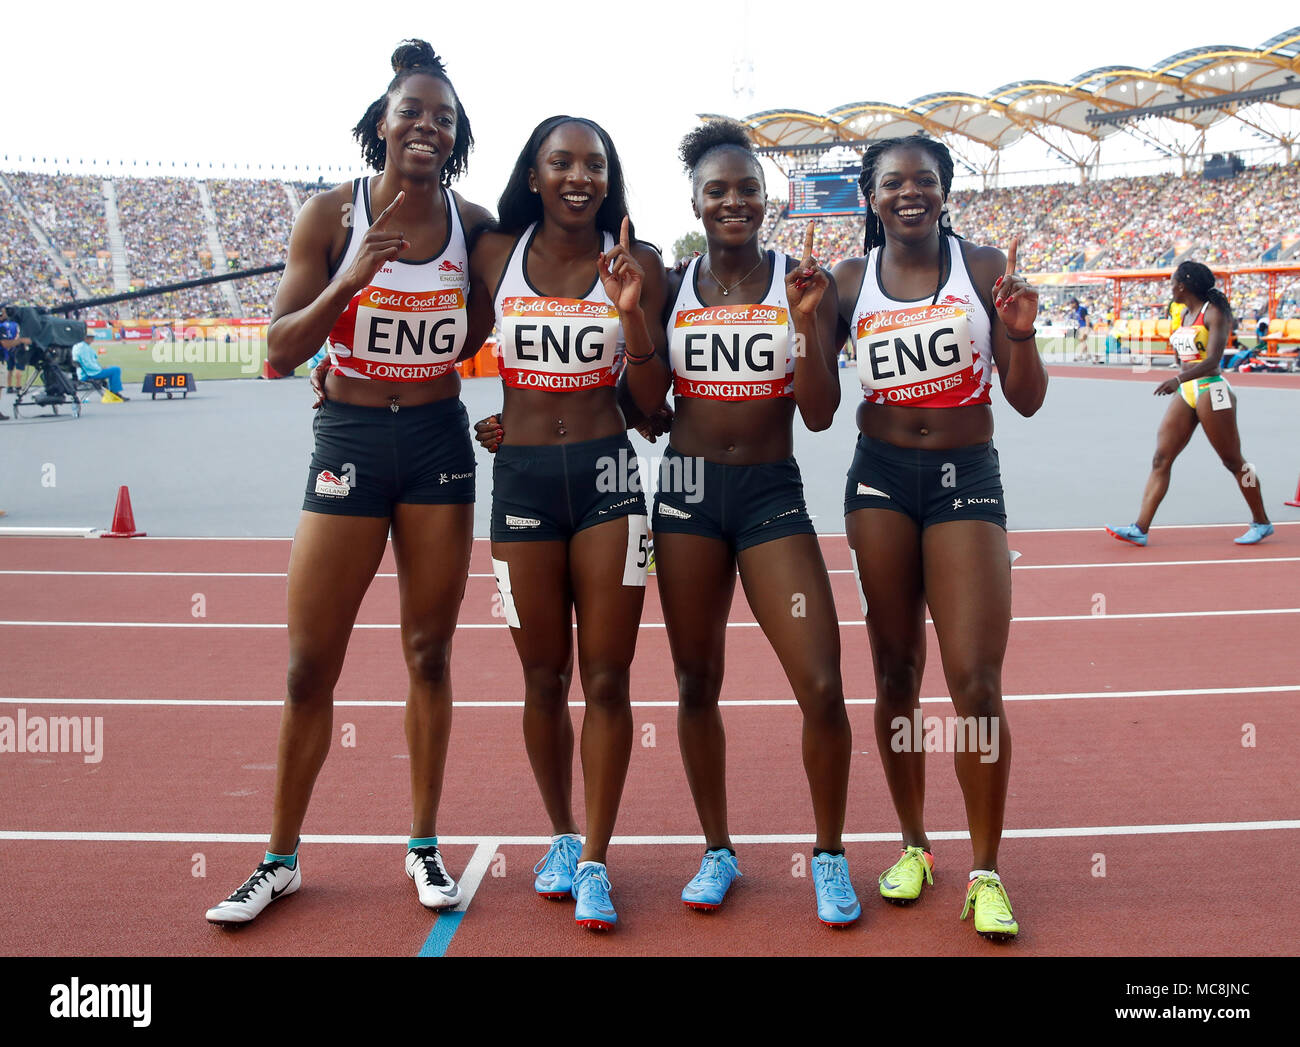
[(838, 570), (1244, 613), (1190, 692), (1099, 529), (496, 841), (475, 870)]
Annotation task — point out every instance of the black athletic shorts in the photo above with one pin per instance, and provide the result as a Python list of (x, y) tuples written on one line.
[(962, 483), (742, 505), (368, 459), (549, 492)]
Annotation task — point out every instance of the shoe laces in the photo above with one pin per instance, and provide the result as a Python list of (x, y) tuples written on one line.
[(713, 865), (990, 893), (834, 875), (910, 856), (264, 870), (558, 856), (432, 862), (584, 877)]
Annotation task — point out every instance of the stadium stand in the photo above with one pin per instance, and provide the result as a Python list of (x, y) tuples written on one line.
[(1117, 223)]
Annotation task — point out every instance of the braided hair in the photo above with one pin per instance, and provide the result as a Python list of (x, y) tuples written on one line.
[(412, 57), (1198, 279), (875, 233), (716, 134)]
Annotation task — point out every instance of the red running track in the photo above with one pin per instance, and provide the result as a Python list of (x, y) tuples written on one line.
[(1098, 761)]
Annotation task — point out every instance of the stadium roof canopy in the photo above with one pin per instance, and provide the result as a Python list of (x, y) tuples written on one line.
[(1196, 88)]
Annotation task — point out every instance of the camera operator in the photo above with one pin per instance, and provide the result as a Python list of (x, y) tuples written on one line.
[(11, 346), (87, 361)]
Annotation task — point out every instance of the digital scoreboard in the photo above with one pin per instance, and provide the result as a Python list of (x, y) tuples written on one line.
[(828, 190), (168, 383)]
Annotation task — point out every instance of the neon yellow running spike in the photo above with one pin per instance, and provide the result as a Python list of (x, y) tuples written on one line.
[(901, 882), (993, 916)]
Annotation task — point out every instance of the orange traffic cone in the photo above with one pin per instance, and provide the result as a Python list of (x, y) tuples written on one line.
[(1296, 500), (123, 518)]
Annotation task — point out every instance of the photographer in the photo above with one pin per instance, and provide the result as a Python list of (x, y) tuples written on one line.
[(87, 361)]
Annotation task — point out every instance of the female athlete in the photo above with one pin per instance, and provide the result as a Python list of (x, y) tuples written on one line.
[(568, 288), (378, 268), (1204, 397), (931, 315), (751, 335)]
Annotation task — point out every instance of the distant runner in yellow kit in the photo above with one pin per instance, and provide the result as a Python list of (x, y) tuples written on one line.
[(1205, 399)]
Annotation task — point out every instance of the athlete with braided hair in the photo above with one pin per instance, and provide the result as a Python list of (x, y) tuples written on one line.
[(1205, 398), (378, 269), (931, 317)]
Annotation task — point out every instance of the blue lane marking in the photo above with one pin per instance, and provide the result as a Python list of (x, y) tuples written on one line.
[(441, 934)]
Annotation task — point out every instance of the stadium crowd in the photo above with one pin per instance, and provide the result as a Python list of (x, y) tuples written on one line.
[(1120, 223), (253, 220)]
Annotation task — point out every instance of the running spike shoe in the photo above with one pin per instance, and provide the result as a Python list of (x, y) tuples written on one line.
[(993, 916), (555, 870), (591, 891), (709, 886), (1128, 533), (837, 904), (901, 883), (270, 881), (1257, 532), (437, 890)]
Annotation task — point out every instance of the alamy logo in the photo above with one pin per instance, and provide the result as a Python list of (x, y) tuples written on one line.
[(75, 1000), (677, 475), (53, 734), (950, 734)]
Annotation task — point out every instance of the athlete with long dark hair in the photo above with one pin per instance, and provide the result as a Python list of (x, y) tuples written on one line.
[(570, 289), (751, 336), (1204, 399), (931, 317), (377, 268)]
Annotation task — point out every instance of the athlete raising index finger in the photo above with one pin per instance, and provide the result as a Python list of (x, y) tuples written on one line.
[(377, 268), (931, 316), (751, 337), (568, 515)]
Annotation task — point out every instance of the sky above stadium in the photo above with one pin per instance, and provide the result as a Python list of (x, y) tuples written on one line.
[(282, 83)]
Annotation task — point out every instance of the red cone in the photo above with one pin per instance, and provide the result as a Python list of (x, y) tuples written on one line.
[(1296, 500), (123, 518)]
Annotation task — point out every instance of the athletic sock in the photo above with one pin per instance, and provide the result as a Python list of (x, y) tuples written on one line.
[(985, 872), (728, 850), (421, 841), (822, 850), (290, 860), (598, 865)]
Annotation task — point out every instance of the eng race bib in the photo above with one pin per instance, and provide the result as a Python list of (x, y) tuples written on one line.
[(558, 344), (920, 356), (399, 336), (737, 352)]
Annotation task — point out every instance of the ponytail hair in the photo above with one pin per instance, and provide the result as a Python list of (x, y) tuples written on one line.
[(1198, 279)]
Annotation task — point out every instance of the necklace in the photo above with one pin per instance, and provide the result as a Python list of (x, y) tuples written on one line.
[(727, 290)]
